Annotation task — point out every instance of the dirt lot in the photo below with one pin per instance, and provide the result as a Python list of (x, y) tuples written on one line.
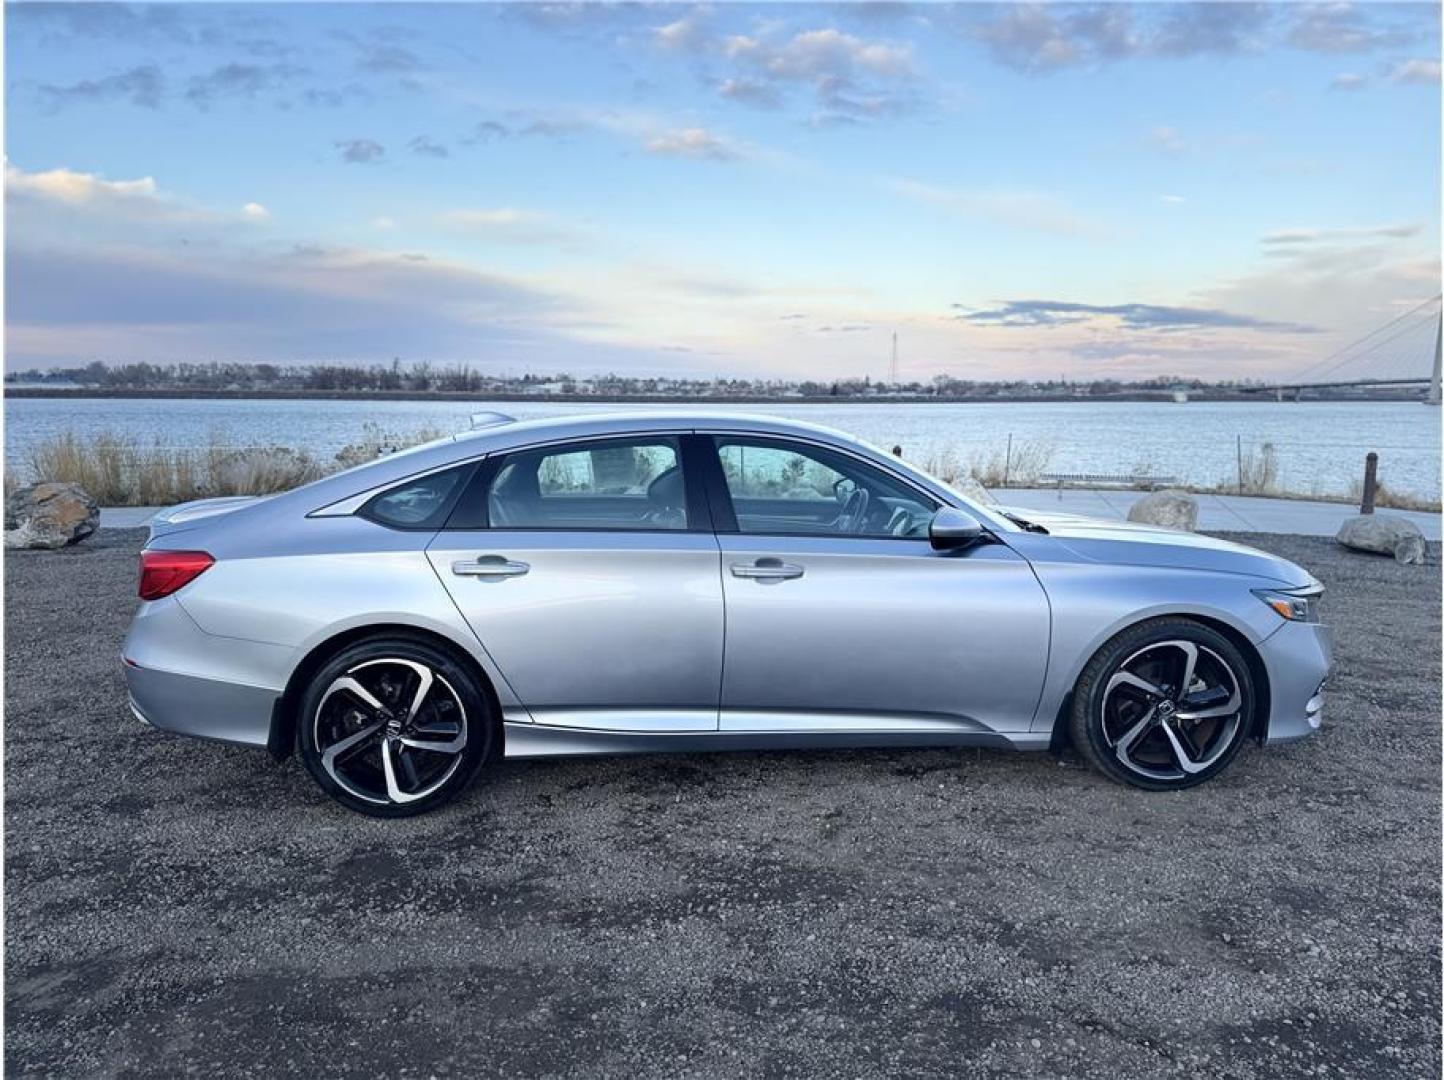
[(174, 906)]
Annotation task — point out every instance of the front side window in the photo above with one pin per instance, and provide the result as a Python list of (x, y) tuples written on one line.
[(614, 484), (786, 488), (422, 503)]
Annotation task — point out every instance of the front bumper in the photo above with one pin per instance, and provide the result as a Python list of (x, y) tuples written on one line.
[(1299, 657), (184, 680)]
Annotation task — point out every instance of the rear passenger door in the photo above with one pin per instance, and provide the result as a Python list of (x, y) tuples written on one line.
[(590, 573)]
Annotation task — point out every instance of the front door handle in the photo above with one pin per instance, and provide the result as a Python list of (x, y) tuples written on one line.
[(767, 570), (489, 566)]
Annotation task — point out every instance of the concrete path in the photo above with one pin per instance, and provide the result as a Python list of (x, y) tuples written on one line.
[(1216, 513)]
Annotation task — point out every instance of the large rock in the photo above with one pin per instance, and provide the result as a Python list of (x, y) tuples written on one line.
[(1170, 509), (49, 516), (1385, 534), (971, 489)]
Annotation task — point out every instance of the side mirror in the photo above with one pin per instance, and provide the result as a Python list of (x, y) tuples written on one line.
[(952, 528)]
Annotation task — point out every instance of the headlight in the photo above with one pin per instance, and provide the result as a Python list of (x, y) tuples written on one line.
[(1296, 605)]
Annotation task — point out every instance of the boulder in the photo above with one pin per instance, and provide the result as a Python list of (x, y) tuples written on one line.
[(1384, 534), (1170, 509), (49, 516), (970, 488)]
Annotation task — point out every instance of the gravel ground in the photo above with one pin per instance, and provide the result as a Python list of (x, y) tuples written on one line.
[(174, 906)]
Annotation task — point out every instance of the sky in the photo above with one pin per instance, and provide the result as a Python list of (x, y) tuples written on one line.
[(1016, 191)]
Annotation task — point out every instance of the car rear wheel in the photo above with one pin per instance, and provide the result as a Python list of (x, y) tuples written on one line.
[(1163, 705), (394, 726)]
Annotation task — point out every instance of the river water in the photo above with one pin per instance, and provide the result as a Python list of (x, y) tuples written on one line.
[(1319, 446)]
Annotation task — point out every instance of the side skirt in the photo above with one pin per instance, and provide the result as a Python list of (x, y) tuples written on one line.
[(539, 740)]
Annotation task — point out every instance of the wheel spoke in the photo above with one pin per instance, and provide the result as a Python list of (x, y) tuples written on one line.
[(1185, 762), (1130, 737), (423, 687), (354, 741), (1228, 708), (347, 683), (393, 789), (1190, 663), (451, 746), (1127, 678)]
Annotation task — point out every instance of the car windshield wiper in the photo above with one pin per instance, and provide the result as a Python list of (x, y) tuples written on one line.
[(1025, 524)]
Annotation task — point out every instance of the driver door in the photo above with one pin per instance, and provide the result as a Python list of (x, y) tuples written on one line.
[(840, 615)]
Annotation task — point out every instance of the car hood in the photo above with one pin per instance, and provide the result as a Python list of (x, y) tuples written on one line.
[(1133, 544)]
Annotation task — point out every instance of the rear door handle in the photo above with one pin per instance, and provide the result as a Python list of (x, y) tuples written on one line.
[(489, 566), (767, 570)]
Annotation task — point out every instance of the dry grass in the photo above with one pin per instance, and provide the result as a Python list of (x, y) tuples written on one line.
[(996, 468), (1258, 473), (118, 471)]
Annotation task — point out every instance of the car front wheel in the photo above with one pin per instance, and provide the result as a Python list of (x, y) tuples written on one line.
[(1163, 705), (394, 726)]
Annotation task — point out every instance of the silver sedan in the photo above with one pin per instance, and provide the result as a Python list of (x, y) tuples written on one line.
[(700, 582)]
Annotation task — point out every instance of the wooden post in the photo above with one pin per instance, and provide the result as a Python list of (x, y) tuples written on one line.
[(1238, 452), (1371, 482), (1008, 459)]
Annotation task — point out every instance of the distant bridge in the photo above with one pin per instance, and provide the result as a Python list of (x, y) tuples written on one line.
[(1394, 355)]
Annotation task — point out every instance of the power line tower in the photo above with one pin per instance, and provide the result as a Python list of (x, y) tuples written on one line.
[(1432, 397), (892, 368)]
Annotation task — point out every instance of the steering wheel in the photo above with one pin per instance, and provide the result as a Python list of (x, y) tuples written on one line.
[(854, 512)]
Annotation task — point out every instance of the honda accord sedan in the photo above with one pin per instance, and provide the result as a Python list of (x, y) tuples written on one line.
[(670, 582)]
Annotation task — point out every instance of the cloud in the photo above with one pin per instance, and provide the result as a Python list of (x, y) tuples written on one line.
[(67, 186), (306, 304), (1342, 28), (755, 92), (1041, 38), (1167, 140), (1348, 81), (360, 151), (521, 125), (383, 222), (255, 211), (388, 60), (698, 143), (686, 34), (852, 77), (823, 54), (1415, 71), (1172, 199), (428, 147), (143, 86), (238, 80), (1034, 313), (1206, 27), (1319, 236), (1021, 209)]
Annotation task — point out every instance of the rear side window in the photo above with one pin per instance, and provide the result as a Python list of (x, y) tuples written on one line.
[(632, 484), (423, 503)]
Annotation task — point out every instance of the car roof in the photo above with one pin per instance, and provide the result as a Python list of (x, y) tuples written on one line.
[(526, 432), (334, 493)]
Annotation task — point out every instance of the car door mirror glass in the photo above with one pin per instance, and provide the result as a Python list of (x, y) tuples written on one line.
[(952, 528)]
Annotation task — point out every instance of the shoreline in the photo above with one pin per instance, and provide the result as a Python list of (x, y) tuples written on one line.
[(1163, 396)]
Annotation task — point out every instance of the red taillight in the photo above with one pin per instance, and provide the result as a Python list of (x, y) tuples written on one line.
[(163, 572)]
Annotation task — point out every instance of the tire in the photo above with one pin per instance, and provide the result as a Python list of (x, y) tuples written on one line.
[(393, 726), (1135, 722)]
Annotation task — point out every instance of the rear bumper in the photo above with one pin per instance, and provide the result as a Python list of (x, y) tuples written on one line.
[(204, 708), (1299, 657), (184, 680)]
